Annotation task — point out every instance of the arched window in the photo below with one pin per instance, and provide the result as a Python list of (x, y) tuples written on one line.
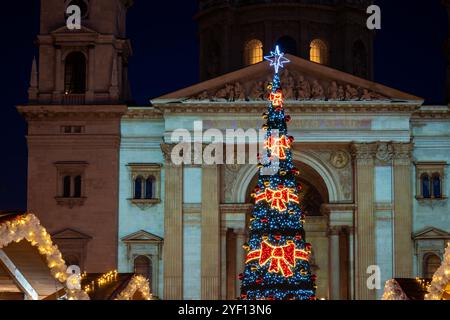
[(318, 52), (75, 73), (437, 192), (77, 187), (425, 185), (253, 52), (287, 45), (66, 187), (138, 187), (360, 59), (431, 263), (149, 185), (143, 266)]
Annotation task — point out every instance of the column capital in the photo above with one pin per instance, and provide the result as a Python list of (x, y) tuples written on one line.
[(403, 153), (167, 153), (364, 153)]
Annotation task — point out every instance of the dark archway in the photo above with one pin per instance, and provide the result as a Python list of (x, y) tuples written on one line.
[(315, 191), (75, 73)]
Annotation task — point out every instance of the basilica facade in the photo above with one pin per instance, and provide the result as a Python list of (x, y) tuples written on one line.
[(373, 160)]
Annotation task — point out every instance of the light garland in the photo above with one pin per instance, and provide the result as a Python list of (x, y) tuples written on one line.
[(102, 281), (137, 283), (441, 278), (393, 291), (27, 227)]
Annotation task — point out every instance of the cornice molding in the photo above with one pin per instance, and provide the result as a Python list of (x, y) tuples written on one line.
[(49, 112), (143, 114), (291, 108)]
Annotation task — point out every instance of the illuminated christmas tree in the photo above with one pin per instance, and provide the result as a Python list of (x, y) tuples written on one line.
[(277, 264)]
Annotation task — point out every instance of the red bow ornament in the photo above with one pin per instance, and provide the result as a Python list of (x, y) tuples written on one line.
[(276, 98), (277, 146), (282, 259), (278, 199)]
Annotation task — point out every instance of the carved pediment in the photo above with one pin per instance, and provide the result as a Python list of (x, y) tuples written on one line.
[(70, 234), (431, 233), (142, 236), (302, 80)]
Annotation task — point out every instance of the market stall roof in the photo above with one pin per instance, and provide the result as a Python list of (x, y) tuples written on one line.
[(109, 290), (29, 263)]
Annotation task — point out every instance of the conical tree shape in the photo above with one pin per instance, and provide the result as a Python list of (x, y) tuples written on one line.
[(277, 264)]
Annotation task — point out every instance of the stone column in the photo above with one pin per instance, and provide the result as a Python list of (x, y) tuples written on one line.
[(363, 155), (91, 75), (223, 262), (240, 257), (210, 283), (403, 245), (173, 228), (59, 76), (351, 262), (334, 264)]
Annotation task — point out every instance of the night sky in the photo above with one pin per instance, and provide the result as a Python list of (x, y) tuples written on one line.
[(409, 56)]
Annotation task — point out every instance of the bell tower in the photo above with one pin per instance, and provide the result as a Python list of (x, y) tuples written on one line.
[(82, 66), (77, 95)]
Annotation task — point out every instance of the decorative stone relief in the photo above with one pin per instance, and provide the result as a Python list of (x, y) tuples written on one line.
[(385, 152), (339, 159), (296, 86), (230, 173)]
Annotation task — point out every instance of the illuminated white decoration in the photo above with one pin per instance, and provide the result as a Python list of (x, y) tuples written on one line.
[(277, 59), (441, 278), (393, 291), (137, 284)]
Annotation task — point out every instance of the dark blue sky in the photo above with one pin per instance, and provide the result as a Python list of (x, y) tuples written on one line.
[(409, 55)]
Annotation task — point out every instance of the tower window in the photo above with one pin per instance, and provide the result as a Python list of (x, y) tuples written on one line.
[(149, 183), (75, 73), (426, 188), (253, 52), (66, 187), (318, 52), (287, 45), (436, 185), (70, 183), (77, 187), (138, 188), (145, 184)]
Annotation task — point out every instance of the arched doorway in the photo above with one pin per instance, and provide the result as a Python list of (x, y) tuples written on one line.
[(143, 266), (315, 194), (431, 263)]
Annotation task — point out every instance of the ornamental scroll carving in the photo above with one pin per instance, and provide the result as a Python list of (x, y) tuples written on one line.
[(296, 87)]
